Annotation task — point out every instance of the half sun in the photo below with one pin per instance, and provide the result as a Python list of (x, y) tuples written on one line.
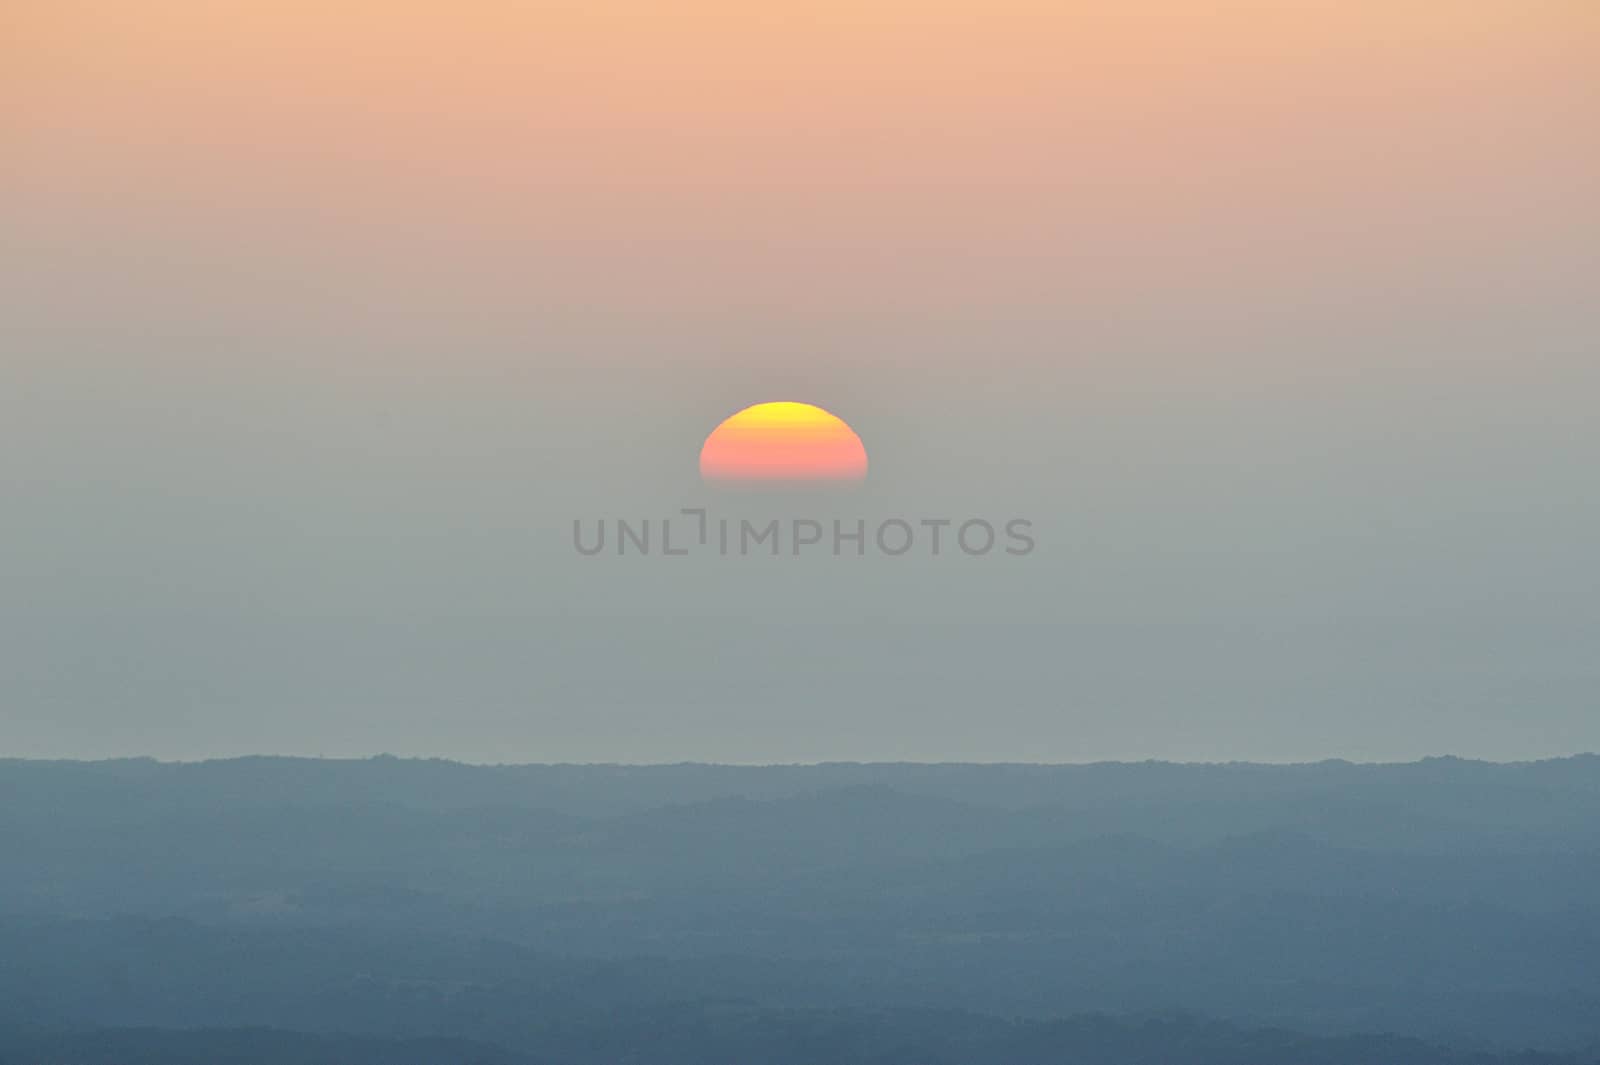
[(778, 443)]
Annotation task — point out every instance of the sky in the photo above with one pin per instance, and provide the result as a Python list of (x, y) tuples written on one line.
[(321, 325)]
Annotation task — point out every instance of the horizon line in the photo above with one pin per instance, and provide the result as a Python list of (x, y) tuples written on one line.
[(828, 763)]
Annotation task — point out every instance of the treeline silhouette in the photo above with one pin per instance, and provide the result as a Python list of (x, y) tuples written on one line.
[(691, 1035)]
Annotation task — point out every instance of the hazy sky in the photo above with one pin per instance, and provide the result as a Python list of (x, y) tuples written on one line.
[(1279, 321)]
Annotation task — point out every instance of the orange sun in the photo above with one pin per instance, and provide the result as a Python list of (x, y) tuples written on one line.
[(780, 443)]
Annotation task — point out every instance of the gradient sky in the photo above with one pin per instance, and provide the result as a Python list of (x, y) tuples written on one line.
[(1278, 319)]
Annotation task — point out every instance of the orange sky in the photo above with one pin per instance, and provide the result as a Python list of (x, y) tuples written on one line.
[(708, 157), (319, 322)]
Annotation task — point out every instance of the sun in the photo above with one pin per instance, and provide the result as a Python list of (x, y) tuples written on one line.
[(783, 443)]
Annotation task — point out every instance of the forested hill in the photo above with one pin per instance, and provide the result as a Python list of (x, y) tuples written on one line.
[(1445, 901)]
